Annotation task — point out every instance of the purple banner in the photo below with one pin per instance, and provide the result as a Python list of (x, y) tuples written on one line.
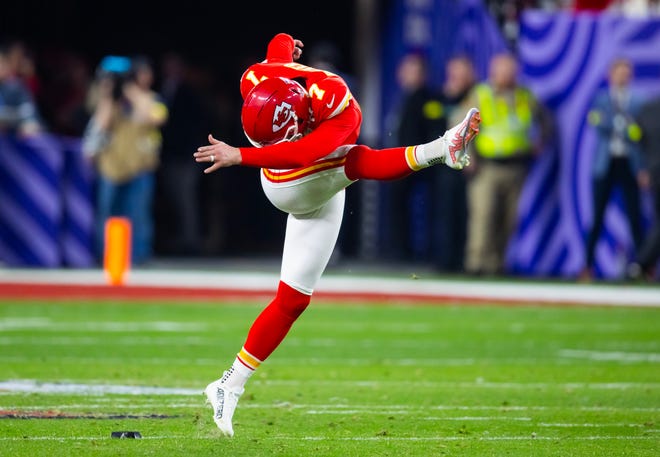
[(565, 61), (46, 214)]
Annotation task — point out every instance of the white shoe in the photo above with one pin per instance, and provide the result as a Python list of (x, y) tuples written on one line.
[(459, 137), (223, 400)]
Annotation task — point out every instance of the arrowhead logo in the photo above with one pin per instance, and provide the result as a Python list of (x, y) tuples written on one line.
[(282, 116)]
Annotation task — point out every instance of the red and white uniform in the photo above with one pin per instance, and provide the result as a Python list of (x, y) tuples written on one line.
[(335, 119), (306, 178), (335, 116)]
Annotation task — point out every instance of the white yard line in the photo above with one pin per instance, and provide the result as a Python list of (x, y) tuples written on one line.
[(33, 386), (78, 341), (349, 438), (129, 403), (617, 356), (475, 438), (589, 425), (477, 384), (88, 407), (54, 326), (405, 362)]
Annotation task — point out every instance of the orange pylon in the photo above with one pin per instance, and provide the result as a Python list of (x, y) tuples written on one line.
[(117, 250)]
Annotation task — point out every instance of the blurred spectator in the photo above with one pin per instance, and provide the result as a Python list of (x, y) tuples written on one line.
[(64, 87), (632, 8), (649, 122), (507, 13), (23, 66), (514, 128), (419, 118), (636, 8), (617, 160), (18, 110), (449, 199), (179, 177), (591, 5), (123, 137)]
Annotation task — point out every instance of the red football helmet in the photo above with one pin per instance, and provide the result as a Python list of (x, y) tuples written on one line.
[(275, 110)]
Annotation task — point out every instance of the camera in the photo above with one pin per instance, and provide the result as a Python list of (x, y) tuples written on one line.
[(119, 70)]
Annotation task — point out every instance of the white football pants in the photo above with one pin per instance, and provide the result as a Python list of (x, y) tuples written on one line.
[(315, 205)]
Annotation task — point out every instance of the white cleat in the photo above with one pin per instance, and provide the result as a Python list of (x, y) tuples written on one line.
[(459, 137), (223, 400)]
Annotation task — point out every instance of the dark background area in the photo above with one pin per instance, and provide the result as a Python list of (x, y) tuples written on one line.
[(220, 34), (218, 38)]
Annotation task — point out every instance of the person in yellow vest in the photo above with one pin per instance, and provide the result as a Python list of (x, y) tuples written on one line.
[(514, 127)]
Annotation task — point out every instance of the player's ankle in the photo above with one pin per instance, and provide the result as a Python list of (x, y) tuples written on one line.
[(432, 153), (237, 376)]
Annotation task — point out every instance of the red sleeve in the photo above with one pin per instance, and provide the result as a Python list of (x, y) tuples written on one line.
[(280, 48), (328, 136), (329, 97)]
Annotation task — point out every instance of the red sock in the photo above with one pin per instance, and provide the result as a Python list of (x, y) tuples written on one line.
[(362, 162), (274, 322)]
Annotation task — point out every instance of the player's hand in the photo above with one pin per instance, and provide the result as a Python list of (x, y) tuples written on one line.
[(297, 49), (218, 154)]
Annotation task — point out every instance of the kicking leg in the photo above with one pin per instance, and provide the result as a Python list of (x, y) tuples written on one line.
[(362, 162)]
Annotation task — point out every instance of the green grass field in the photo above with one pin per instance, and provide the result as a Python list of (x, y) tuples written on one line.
[(350, 380)]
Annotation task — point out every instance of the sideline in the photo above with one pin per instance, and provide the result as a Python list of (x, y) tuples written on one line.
[(222, 285)]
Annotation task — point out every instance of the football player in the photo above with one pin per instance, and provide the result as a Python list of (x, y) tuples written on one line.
[(304, 124)]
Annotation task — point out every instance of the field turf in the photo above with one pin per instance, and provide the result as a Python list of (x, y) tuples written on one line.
[(351, 379)]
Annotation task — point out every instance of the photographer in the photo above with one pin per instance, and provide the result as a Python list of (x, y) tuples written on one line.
[(123, 139)]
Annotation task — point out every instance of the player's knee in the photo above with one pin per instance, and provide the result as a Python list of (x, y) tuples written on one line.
[(353, 165), (290, 301)]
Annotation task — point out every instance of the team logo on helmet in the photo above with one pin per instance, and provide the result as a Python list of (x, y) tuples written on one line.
[(282, 115), (275, 110)]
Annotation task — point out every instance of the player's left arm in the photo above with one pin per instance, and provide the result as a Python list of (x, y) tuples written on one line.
[(329, 97), (284, 48)]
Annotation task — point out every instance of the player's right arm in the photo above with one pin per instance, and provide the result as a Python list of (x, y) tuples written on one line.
[(337, 117), (324, 139), (340, 130)]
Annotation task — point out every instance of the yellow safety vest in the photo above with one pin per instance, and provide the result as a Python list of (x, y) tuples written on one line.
[(505, 129)]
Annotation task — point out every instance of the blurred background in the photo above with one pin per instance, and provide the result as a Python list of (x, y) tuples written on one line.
[(562, 49)]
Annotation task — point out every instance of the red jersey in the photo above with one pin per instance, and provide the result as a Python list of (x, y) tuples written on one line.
[(335, 114)]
